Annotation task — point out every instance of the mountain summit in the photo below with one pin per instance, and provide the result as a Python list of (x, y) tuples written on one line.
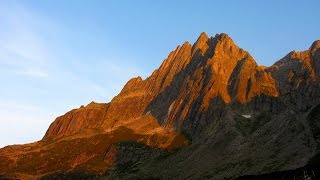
[(208, 112)]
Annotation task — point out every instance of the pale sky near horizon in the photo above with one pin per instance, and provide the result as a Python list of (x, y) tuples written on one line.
[(58, 55)]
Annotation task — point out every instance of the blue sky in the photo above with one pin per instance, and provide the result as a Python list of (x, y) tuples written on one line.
[(58, 55)]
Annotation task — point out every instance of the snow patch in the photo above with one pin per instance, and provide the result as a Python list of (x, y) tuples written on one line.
[(246, 116)]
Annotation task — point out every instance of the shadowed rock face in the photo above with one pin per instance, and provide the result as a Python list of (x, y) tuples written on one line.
[(240, 118)]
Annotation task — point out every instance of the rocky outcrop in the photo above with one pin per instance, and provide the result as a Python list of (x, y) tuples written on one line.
[(90, 116), (297, 78), (239, 118)]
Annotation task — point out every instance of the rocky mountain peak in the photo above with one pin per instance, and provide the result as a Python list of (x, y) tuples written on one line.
[(201, 44), (315, 47), (212, 92), (223, 37), (315, 55)]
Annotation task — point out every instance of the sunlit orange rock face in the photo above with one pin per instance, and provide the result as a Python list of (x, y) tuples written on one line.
[(180, 97), (212, 67), (90, 116)]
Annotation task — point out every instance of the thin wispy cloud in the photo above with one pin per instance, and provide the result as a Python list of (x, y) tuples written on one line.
[(21, 48), (37, 73)]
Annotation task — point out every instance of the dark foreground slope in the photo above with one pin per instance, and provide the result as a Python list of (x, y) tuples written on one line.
[(208, 112)]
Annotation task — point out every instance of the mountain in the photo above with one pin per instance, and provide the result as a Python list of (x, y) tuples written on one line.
[(208, 112)]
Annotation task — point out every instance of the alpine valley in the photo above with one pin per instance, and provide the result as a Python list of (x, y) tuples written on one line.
[(208, 112)]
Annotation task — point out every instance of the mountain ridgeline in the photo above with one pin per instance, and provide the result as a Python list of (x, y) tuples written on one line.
[(208, 112)]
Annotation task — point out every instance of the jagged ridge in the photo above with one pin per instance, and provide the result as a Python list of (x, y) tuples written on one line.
[(202, 91)]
